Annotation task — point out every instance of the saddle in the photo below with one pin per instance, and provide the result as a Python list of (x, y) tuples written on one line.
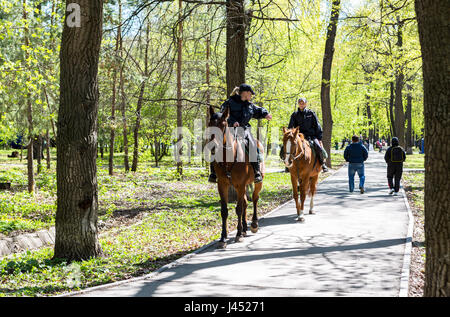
[(313, 150)]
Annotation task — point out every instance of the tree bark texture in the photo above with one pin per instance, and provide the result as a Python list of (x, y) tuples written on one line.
[(235, 50), (77, 194), (434, 34), (326, 77)]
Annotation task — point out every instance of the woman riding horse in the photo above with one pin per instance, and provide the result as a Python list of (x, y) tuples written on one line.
[(242, 110)]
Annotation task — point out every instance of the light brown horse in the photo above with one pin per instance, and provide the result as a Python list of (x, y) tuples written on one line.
[(303, 166), (238, 172)]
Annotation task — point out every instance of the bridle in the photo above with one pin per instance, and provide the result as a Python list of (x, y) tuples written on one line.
[(226, 146), (296, 155)]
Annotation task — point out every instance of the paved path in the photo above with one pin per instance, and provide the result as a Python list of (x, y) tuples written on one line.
[(354, 246)]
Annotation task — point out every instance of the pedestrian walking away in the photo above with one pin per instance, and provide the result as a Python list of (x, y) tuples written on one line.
[(356, 154), (394, 157)]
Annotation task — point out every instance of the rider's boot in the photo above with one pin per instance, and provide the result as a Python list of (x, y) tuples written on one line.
[(212, 177), (321, 160), (258, 177)]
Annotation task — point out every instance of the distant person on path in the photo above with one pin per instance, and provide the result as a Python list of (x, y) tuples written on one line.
[(379, 147), (356, 154), (394, 157)]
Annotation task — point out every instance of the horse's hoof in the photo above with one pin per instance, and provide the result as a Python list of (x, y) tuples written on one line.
[(300, 219), (254, 230), (221, 245), (312, 212), (244, 234), (239, 239)]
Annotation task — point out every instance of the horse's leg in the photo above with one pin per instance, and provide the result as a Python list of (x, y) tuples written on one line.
[(255, 198), (303, 191), (239, 210), (223, 192), (294, 181), (312, 190), (244, 215)]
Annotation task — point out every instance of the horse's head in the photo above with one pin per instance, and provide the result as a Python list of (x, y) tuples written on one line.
[(292, 144), (218, 120)]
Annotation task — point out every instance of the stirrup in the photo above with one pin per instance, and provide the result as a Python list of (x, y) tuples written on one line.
[(324, 168), (212, 178), (258, 178)]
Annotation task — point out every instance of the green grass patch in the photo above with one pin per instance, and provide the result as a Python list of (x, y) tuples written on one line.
[(414, 161), (414, 185)]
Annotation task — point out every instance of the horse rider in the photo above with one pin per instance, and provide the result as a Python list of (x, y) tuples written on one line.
[(309, 126), (241, 111)]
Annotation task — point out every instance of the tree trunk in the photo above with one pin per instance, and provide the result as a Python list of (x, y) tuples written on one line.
[(369, 118), (39, 154), (112, 134), (399, 83), (409, 137), (235, 51), (77, 193), (140, 102), (434, 34), (208, 90), (30, 162), (179, 89), (391, 109), (123, 98), (47, 139), (326, 76), (399, 112)]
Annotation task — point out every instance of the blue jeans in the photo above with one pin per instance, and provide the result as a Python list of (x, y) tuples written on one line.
[(352, 169)]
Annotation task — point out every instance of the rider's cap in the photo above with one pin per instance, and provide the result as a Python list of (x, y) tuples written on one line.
[(302, 100), (245, 87)]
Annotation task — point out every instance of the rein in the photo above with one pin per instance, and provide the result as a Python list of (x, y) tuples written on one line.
[(301, 153), (227, 148)]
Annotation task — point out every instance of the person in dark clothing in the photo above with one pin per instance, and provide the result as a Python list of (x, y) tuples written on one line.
[(356, 154), (309, 126), (242, 110), (394, 157)]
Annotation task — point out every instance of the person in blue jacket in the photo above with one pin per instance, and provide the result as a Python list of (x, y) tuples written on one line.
[(356, 154), (242, 110)]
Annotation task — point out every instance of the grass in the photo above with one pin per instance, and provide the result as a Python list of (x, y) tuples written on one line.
[(414, 161)]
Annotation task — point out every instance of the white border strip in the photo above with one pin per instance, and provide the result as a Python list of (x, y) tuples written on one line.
[(404, 280)]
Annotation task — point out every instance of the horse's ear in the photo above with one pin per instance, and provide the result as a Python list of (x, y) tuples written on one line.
[(211, 111), (284, 130), (296, 132), (226, 113)]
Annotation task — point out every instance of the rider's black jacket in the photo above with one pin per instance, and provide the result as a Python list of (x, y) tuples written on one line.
[(242, 111), (308, 122)]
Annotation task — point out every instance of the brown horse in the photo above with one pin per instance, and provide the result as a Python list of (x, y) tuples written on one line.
[(235, 171), (303, 166)]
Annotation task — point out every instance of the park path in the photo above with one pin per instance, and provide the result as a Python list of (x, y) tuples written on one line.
[(356, 245)]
